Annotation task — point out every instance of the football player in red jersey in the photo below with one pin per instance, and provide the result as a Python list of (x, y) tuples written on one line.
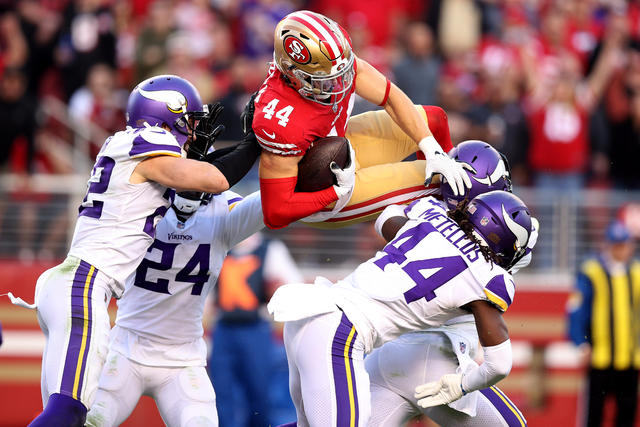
[(309, 94)]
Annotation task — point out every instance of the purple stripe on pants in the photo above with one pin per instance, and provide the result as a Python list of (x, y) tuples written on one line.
[(340, 373), (78, 321), (507, 413)]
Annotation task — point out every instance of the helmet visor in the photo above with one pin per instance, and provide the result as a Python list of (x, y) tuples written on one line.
[(328, 89)]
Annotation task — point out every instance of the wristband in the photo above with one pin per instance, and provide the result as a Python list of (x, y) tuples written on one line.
[(386, 94)]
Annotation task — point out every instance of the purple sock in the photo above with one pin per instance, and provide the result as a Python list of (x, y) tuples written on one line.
[(61, 411)]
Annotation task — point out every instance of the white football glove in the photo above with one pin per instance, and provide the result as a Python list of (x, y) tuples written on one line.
[(438, 162), (446, 390), (346, 177)]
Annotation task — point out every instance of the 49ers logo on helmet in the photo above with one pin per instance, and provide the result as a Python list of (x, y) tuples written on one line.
[(296, 50)]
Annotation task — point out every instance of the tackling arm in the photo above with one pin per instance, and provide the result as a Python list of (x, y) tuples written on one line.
[(244, 219), (494, 338), (181, 174)]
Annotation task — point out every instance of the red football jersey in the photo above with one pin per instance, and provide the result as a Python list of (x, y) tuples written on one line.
[(286, 123)]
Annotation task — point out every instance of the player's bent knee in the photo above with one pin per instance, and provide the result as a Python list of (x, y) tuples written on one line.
[(99, 415), (199, 416)]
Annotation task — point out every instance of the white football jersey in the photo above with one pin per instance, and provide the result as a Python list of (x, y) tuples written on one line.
[(421, 278), (159, 321), (117, 219)]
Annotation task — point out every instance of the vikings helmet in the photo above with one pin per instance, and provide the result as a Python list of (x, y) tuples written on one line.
[(314, 54), (502, 222), (165, 99), (490, 171)]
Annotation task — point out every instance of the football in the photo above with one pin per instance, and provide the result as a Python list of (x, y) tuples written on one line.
[(313, 170)]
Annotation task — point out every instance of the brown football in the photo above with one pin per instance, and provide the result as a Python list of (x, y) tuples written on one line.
[(313, 170)]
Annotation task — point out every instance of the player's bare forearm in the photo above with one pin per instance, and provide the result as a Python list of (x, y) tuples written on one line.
[(404, 113), (371, 85), (489, 322), (276, 166), (181, 174)]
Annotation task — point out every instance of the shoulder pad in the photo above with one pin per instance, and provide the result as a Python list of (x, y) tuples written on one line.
[(153, 141), (500, 291), (232, 198)]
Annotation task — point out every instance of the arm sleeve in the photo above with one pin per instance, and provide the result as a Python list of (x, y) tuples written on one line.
[(235, 164), (496, 366), (244, 218), (579, 310), (281, 205), (154, 141)]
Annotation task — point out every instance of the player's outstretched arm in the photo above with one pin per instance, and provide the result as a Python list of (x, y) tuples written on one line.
[(496, 345), (181, 174), (376, 88), (373, 86)]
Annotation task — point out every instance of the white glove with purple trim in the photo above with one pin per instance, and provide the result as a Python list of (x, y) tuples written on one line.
[(438, 162), (446, 390)]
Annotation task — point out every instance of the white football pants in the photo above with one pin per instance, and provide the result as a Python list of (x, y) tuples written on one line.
[(184, 395), (327, 380), (399, 366), (71, 300)]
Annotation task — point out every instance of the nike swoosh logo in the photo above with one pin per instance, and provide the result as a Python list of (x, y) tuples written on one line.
[(270, 135)]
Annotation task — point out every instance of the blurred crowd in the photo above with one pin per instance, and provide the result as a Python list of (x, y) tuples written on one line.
[(553, 84)]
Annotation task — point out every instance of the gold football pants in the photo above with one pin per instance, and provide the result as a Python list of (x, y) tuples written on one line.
[(382, 178)]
